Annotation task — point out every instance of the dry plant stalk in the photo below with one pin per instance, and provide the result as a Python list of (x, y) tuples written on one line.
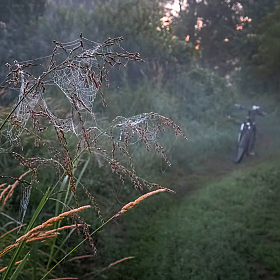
[(65, 278), (10, 189), (80, 77), (8, 232), (50, 222), (131, 204), (81, 257), (119, 261), (40, 232), (4, 268)]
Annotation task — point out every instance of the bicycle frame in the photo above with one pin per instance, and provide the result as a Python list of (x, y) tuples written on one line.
[(244, 126), (246, 135)]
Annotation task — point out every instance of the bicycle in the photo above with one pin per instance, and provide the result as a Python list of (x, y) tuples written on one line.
[(247, 134)]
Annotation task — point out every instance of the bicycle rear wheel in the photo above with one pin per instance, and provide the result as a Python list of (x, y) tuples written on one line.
[(242, 147)]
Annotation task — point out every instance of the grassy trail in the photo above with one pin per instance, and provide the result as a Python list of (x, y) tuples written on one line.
[(223, 223), (228, 228)]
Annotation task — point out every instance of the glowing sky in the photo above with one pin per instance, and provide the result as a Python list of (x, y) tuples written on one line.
[(174, 8)]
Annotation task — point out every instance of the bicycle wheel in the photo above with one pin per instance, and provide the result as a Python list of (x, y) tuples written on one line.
[(251, 142), (242, 146)]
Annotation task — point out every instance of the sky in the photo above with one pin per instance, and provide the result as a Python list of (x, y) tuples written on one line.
[(175, 7)]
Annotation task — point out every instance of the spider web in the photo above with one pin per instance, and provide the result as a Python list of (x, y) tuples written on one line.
[(65, 125), (80, 77), (76, 82), (146, 128), (26, 104), (136, 125), (77, 78), (25, 197)]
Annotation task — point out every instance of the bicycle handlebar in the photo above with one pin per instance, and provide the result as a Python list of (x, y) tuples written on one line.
[(245, 108)]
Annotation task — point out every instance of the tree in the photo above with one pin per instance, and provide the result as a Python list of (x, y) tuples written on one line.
[(268, 43), (257, 49), (212, 26), (18, 19), (144, 31)]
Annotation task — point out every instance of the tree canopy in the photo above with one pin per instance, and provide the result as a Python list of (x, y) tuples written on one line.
[(227, 36)]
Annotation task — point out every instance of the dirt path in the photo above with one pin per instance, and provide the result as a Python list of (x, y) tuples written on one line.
[(212, 169)]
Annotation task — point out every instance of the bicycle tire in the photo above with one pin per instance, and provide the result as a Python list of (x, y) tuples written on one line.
[(251, 142), (242, 147)]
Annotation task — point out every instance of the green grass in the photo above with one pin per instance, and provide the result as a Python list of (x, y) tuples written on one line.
[(225, 230)]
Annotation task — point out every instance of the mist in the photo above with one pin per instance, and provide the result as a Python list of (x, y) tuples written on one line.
[(168, 80)]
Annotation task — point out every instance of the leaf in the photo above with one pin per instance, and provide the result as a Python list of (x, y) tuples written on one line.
[(20, 267)]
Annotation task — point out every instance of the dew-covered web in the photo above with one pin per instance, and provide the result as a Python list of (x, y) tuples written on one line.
[(25, 197), (78, 80), (65, 125), (145, 128), (26, 104), (131, 127), (78, 68)]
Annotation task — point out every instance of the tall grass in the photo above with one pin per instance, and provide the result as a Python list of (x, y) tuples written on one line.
[(80, 73)]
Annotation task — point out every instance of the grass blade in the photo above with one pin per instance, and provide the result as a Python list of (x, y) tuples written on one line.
[(62, 187), (20, 267), (30, 225), (52, 254)]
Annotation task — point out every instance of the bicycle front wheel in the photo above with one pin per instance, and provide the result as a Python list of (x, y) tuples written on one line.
[(242, 147)]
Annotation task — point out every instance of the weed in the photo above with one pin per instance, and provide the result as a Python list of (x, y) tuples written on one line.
[(79, 69)]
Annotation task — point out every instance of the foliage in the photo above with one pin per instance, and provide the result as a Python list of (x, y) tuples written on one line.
[(227, 229), (212, 27), (80, 70), (267, 40), (248, 76)]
